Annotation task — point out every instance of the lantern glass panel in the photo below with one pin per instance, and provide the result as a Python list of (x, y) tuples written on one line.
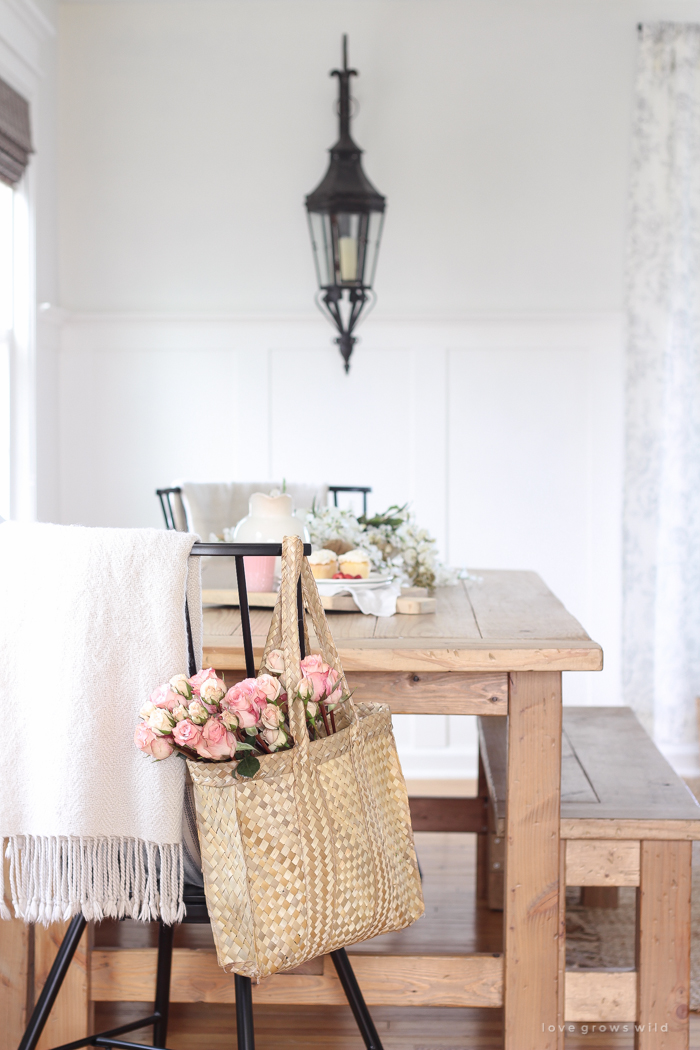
[(345, 246), (322, 244), (373, 237)]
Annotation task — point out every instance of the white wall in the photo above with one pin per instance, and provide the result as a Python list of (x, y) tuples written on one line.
[(488, 384)]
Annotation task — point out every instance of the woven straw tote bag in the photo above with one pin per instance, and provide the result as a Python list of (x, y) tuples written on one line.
[(315, 852)]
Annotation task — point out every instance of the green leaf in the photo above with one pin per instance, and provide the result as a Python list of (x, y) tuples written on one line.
[(244, 747), (247, 767), (251, 731)]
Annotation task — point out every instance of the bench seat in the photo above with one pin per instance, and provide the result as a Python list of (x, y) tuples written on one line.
[(627, 819)]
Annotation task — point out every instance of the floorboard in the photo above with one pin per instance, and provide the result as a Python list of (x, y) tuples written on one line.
[(452, 923)]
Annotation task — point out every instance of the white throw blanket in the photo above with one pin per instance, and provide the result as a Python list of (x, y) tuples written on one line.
[(91, 621)]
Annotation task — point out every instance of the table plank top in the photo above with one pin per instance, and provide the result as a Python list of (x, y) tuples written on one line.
[(501, 621)]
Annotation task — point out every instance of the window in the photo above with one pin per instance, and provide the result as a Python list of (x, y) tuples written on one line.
[(6, 319)]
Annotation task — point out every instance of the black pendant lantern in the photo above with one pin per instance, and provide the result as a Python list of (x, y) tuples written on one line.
[(345, 219)]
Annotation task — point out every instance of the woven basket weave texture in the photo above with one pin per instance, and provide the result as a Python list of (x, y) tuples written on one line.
[(316, 851)]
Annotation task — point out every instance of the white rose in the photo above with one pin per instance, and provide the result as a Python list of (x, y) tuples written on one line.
[(312, 709), (274, 738), (212, 690), (147, 709), (181, 684), (198, 712), (274, 661), (305, 689), (180, 713), (271, 717), (161, 721)]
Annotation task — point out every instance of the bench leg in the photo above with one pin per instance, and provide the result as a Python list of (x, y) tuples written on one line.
[(663, 945), (482, 852), (531, 919)]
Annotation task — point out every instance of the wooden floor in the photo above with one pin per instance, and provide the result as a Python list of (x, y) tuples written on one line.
[(452, 923)]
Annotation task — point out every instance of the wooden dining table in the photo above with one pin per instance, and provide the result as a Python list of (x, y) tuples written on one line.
[(496, 646)]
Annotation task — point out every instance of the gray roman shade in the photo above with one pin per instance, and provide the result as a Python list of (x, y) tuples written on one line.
[(15, 138)]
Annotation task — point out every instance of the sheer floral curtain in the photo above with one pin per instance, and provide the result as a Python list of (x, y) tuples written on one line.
[(662, 485)]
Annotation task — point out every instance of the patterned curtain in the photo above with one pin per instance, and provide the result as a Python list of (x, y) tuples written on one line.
[(661, 628)]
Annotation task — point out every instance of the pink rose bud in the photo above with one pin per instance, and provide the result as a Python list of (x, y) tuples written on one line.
[(269, 686), (161, 721), (187, 734), (274, 661), (179, 713), (212, 690), (229, 720), (305, 689), (198, 712), (181, 684), (271, 717)]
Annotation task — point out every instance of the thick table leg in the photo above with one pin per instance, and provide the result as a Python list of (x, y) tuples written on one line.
[(663, 946), (532, 917)]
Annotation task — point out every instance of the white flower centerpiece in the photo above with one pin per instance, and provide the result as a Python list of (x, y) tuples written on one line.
[(394, 542)]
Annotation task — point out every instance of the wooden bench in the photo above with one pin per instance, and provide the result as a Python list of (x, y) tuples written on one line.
[(627, 819)]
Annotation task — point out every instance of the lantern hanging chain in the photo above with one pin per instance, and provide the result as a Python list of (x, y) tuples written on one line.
[(343, 76)]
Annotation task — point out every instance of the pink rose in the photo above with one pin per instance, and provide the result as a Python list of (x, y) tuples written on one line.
[(197, 680), (312, 663), (151, 744), (316, 672), (164, 696), (144, 737), (246, 701), (187, 734), (274, 661), (269, 686), (216, 742)]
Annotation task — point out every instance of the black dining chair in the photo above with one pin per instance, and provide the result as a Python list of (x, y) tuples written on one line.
[(173, 507), (194, 898)]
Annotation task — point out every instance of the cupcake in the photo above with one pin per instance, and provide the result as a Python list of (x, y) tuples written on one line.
[(355, 563), (324, 564)]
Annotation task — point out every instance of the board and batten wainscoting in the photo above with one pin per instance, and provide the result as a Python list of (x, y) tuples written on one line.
[(504, 432)]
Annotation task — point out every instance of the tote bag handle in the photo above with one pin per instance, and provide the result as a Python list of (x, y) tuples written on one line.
[(284, 633)]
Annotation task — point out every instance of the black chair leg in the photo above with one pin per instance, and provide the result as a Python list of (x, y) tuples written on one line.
[(244, 1013), (162, 1003), (52, 986), (356, 999)]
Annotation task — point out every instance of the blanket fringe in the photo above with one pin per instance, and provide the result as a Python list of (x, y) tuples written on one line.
[(4, 910), (56, 877)]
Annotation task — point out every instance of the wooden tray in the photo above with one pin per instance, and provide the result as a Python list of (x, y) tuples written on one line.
[(411, 602)]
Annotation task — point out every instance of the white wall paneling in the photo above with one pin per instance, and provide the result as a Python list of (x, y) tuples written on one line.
[(504, 433)]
